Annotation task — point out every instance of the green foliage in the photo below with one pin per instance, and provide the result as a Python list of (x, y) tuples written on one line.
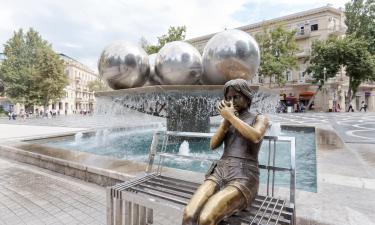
[(2, 88), (360, 20), (97, 85), (349, 52), (277, 51), (31, 71), (49, 79), (174, 34), (324, 55)]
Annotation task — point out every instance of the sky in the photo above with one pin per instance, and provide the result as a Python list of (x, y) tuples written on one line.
[(82, 28)]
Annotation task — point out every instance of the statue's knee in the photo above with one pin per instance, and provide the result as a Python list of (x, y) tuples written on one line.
[(206, 219), (189, 217)]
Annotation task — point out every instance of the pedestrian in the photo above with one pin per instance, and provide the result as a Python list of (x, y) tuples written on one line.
[(10, 115), (350, 107), (338, 108), (363, 106)]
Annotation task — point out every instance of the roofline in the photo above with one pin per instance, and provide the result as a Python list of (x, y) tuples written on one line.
[(85, 67), (276, 20)]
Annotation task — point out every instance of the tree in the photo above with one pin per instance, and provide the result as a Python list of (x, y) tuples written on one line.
[(349, 52), (360, 20), (31, 71), (49, 79), (277, 51), (174, 34)]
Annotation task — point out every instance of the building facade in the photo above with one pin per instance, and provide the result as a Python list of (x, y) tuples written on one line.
[(78, 98), (310, 25)]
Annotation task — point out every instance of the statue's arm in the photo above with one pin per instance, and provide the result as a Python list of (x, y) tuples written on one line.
[(219, 135), (253, 133)]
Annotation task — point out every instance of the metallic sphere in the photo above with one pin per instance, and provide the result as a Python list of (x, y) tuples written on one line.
[(152, 79), (230, 55), (179, 63), (124, 65)]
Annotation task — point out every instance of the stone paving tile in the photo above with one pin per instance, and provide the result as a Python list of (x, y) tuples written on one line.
[(30, 195)]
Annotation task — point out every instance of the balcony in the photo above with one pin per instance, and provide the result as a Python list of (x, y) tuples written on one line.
[(302, 34)]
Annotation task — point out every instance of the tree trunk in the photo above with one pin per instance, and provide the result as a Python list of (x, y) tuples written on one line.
[(45, 105), (349, 97), (312, 98), (270, 81)]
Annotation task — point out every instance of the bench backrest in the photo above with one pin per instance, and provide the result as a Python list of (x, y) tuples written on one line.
[(269, 166)]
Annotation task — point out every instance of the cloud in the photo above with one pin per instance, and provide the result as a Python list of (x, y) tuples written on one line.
[(82, 28)]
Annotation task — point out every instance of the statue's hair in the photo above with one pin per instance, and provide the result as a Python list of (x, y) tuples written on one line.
[(240, 85)]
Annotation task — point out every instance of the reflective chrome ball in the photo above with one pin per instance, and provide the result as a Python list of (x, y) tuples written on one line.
[(152, 79), (124, 65), (179, 63), (229, 55)]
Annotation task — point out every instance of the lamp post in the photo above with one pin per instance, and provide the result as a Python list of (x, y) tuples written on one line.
[(324, 88)]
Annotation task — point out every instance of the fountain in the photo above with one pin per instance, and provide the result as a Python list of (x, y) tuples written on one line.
[(190, 86)]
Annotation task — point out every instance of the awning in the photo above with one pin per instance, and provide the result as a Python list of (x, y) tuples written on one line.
[(290, 98), (306, 95)]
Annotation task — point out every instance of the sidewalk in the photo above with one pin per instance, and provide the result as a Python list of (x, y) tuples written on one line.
[(32, 195)]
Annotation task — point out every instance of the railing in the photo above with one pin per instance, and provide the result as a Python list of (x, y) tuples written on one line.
[(270, 167), (142, 199)]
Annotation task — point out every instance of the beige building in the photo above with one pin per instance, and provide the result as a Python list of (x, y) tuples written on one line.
[(310, 25), (78, 97)]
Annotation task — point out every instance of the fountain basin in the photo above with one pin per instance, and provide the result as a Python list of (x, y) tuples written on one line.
[(129, 150)]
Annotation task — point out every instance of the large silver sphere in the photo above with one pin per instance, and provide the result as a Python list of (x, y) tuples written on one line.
[(152, 79), (179, 63), (230, 55), (124, 65)]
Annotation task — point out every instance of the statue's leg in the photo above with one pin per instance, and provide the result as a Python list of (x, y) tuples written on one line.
[(196, 203), (223, 203)]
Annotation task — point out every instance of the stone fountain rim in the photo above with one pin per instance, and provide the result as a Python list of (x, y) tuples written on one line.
[(176, 88)]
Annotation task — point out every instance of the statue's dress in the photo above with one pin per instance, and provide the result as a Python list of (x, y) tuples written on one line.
[(238, 166)]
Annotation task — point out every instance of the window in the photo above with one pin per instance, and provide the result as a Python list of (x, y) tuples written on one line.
[(302, 30), (314, 27), (288, 76), (301, 75)]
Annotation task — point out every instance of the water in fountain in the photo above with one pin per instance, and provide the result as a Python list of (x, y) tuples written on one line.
[(275, 129), (78, 138), (116, 115), (184, 148), (187, 108)]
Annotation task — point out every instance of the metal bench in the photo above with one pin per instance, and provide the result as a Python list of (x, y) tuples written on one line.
[(156, 198)]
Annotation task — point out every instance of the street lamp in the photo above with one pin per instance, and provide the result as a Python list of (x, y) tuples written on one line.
[(323, 87)]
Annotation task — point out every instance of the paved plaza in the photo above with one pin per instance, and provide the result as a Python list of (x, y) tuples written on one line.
[(346, 176), (31, 195)]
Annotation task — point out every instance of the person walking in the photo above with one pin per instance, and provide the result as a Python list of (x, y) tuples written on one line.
[(363, 106), (350, 107)]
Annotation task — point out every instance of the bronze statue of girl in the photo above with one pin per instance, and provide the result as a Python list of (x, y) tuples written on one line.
[(231, 183)]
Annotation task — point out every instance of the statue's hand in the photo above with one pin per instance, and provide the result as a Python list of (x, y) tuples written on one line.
[(226, 109)]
